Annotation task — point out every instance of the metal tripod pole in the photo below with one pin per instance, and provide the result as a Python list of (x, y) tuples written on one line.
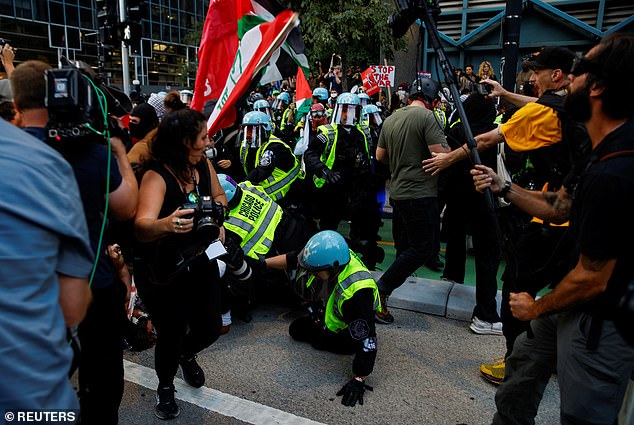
[(450, 79)]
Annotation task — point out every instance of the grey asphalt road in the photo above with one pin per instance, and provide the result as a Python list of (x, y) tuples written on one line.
[(426, 372)]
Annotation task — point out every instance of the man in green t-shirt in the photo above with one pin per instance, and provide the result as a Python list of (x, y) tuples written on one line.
[(408, 137)]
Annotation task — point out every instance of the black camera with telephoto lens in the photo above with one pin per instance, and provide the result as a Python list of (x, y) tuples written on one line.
[(208, 216)]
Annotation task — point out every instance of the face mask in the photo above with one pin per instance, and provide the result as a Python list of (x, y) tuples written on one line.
[(401, 92), (333, 95), (138, 130)]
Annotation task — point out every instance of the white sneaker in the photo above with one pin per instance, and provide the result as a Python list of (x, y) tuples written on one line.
[(485, 328)]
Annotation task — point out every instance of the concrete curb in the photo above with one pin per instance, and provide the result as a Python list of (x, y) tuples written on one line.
[(437, 297)]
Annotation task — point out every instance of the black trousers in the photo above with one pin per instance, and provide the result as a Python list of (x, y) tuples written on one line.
[(470, 210), (361, 209), (101, 361), (414, 228), (538, 257), (305, 329), (186, 314)]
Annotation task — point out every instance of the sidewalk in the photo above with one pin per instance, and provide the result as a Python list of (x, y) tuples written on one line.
[(437, 297)]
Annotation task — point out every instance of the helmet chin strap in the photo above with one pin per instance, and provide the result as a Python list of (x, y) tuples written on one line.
[(327, 288)]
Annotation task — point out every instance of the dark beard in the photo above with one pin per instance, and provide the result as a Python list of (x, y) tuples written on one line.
[(578, 106)]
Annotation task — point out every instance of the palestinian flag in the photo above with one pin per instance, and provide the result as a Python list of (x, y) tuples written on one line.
[(303, 94), (217, 50), (225, 25), (285, 61), (254, 52)]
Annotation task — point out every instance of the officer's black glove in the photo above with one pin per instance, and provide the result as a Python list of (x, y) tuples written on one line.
[(234, 256), (332, 177), (353, 392)]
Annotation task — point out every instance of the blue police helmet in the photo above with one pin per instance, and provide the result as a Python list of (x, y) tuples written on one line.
[(371, 109), (325, 250), (257, 118), (284, 97), (320, 93), (348, 99), (254, 97), (261, 104), (229, 185), (363, 98)]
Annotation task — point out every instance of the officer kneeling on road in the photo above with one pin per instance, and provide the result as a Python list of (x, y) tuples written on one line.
[(331, 273), (269, 237)]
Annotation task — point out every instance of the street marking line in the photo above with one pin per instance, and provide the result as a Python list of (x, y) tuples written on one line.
[(216, 401)]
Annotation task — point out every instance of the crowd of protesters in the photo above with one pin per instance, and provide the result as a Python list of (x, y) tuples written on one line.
[(269, 195)]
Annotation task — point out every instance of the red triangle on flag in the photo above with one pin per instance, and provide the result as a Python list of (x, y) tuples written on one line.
[(303, 93)]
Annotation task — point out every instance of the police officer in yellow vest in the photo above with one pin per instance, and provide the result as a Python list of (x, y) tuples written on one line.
[(263, 106), (281, 109), (339, 163), (260, 224), (266, 234), (288, 130), (267, 161), (344, 297)]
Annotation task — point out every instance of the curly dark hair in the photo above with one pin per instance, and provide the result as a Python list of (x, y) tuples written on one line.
[(176, 133), (7, 111)]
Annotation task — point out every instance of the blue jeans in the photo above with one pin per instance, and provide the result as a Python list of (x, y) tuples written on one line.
[(414, 228)]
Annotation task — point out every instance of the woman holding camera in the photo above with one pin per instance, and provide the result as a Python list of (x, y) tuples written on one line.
[(175, 279)]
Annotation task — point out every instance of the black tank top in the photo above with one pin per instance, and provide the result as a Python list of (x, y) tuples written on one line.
[(174, 194), (174, 198)]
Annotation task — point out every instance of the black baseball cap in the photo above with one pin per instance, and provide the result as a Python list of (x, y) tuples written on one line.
[(553, 57)]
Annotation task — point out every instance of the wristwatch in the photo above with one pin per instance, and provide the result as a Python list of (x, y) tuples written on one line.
[(505, 190)]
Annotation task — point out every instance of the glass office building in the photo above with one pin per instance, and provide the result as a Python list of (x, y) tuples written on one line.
[(47, 30)]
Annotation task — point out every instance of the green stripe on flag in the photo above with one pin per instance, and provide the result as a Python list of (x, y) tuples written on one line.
[(248, 22)]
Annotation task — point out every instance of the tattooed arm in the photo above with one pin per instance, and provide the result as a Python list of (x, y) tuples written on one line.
[(559, 204), (553, 207), (588, 279)]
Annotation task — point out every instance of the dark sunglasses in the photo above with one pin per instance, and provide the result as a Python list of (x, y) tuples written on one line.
[(581, 65), (317, 114)]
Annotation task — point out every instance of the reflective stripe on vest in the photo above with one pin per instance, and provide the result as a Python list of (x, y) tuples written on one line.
[(283, 123), (352, 279), (254, 219), (279, 182), (244, 151), (329, 154), (441, 117)]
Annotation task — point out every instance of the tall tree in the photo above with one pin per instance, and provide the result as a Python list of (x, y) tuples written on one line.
[(355, 29)]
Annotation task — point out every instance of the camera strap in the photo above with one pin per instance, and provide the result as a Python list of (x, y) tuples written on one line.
[(182, 185)]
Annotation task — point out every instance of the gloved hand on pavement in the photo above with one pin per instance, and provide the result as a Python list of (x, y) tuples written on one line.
[(353, 392)]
